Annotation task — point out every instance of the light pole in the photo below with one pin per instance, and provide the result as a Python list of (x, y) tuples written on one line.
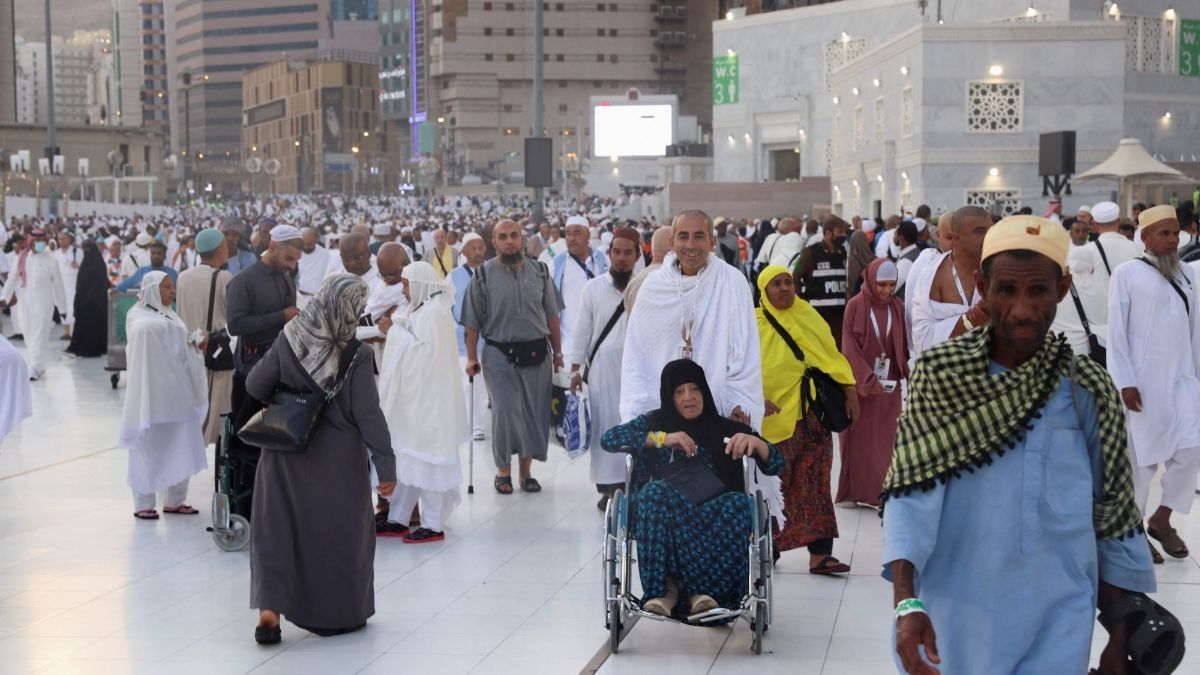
[(538, 102), (51, 131)]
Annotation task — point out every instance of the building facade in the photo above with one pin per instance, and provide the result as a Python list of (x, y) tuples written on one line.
[(83, 80), (128, 63), (155, 96), (311, 125), (457, 76), (901, 110), (8, 63)]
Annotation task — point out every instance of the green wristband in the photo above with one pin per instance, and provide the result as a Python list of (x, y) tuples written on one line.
[(910, 606)]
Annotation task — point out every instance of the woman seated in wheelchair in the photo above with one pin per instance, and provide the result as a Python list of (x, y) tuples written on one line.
[(690, 514)]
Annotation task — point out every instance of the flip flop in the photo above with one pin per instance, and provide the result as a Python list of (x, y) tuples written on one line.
[(1171, 542), (829, 565), (503, 485), (148, 514), (530, 485), (182, 510)]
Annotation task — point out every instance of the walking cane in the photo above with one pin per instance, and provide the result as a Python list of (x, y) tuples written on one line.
[(471, 460)]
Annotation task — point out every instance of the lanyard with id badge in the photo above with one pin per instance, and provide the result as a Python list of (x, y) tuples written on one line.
[(882, 366)]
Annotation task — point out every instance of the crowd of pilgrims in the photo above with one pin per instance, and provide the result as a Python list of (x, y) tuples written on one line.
[(694, 337)]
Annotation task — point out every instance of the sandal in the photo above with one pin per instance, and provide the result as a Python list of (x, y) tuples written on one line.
[(1171, 542), (1155, 556), (829, 565), (424, 535), (503, 485), (530, 485), (182, 510), (147, 514)]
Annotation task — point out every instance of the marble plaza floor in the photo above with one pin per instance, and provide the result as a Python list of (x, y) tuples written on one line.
[(86, 588)]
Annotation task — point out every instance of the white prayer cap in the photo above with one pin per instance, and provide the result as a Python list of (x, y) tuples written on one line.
[(144, 240), (471, 236), (1084, 209), (887, 271), (112, 239), (868, 225), (1106, 212), (920, 223), (578, 220), (284, 233), (382, 230)]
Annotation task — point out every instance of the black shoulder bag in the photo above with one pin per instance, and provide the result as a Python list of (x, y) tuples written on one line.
[(1098, 353), (693, 478), (612, 321), (1182, 296), (287, 422), (218, 351), (816, 387)]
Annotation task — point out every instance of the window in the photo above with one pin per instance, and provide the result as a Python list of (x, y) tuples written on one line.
[(562, 107), (487, 31), (487, 57), (558, 6), (654, 58), (509, 6), (507, 107), (559, 32), (612, 58), (510, 58), (995, 106), (612, 6), (487, 6), (599, 6), (612, 32), (599, 58), (510, 32), (599, 32)]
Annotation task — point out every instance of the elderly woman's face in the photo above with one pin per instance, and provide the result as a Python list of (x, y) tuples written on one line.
[(781, 291), (689, 400), (407, 293), (166, 291)]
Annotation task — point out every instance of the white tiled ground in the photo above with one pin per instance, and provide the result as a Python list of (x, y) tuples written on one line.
[(84, 588)]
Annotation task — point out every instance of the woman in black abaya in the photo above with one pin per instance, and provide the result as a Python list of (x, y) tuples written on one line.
[(90, 335)]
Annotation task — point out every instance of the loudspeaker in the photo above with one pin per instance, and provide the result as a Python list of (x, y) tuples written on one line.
[(1056, 154), (539, 163)]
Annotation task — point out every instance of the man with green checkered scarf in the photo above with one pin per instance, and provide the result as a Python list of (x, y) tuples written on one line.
[(1009, 511)]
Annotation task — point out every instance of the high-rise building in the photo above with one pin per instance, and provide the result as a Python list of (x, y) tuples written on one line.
[(215, 41), (83, 76), (456, 77), (8, 64), (129, 63), (155, 95)]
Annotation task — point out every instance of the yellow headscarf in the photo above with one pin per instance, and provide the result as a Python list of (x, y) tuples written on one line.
[(781, 371)]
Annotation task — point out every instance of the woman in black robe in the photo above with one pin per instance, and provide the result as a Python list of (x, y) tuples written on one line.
[(312, 547), (90, 336)]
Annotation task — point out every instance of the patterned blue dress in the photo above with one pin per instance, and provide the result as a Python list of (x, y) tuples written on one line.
[(701, 546)]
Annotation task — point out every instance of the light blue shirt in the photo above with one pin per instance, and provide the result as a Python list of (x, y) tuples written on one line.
[(241, 261), (135, 281), (1007, 561), (461, 278)]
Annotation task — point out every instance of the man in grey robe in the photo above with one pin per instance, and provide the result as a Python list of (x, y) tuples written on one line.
[(513, 305)]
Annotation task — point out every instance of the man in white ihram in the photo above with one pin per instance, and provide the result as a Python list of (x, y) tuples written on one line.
[(598, 341), (313, 265), (694, 307), (35, 289), (1154, 359)]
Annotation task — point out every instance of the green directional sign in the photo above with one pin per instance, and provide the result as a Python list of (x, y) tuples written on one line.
[(725, 79), (1189, 47)]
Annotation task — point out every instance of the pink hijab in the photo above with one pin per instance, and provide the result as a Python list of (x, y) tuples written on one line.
[(858, 322)]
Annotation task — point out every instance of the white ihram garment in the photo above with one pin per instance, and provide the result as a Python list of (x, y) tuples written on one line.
[(37, 297), (1154, 345), (312, 274), (166, 399), (597, 302), (68, 268), (16, 399)]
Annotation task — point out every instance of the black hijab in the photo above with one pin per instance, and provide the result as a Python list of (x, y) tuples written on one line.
[(709, 430), (765, 229)]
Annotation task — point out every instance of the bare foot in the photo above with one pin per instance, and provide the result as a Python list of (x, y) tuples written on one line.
[(268, 618)]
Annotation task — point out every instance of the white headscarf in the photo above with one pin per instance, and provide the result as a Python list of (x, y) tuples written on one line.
[(150, 295), (423, 285)]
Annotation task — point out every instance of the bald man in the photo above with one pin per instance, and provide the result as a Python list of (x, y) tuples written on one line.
[(314, 263), (660, 245), (789, 245), (515, 360)]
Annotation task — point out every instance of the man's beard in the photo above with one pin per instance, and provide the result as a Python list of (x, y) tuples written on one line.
[(510, 259), (621, 279), (1167, 265)]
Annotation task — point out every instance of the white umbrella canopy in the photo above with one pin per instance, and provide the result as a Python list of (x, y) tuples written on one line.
[(1130, 161)]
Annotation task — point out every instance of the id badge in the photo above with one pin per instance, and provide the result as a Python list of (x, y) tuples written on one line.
[(883, 366)]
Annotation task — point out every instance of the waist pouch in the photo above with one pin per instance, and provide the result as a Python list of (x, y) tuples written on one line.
[(526, 354)]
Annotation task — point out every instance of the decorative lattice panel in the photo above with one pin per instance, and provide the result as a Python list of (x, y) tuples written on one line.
[(994, 107), (828, 155), (997, 202), (860, 128), (879, 120), (906, 112), (840, 52), (837, 134), (1151, 44)]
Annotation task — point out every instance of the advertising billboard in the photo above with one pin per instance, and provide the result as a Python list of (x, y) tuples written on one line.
[(632, 130), (332, 116)]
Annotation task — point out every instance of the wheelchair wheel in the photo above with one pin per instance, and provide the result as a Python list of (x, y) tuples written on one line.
[(766, 545), (616, 568), (236, 538)]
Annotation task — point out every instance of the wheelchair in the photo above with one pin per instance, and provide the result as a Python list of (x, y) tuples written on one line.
[(620, 552)]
